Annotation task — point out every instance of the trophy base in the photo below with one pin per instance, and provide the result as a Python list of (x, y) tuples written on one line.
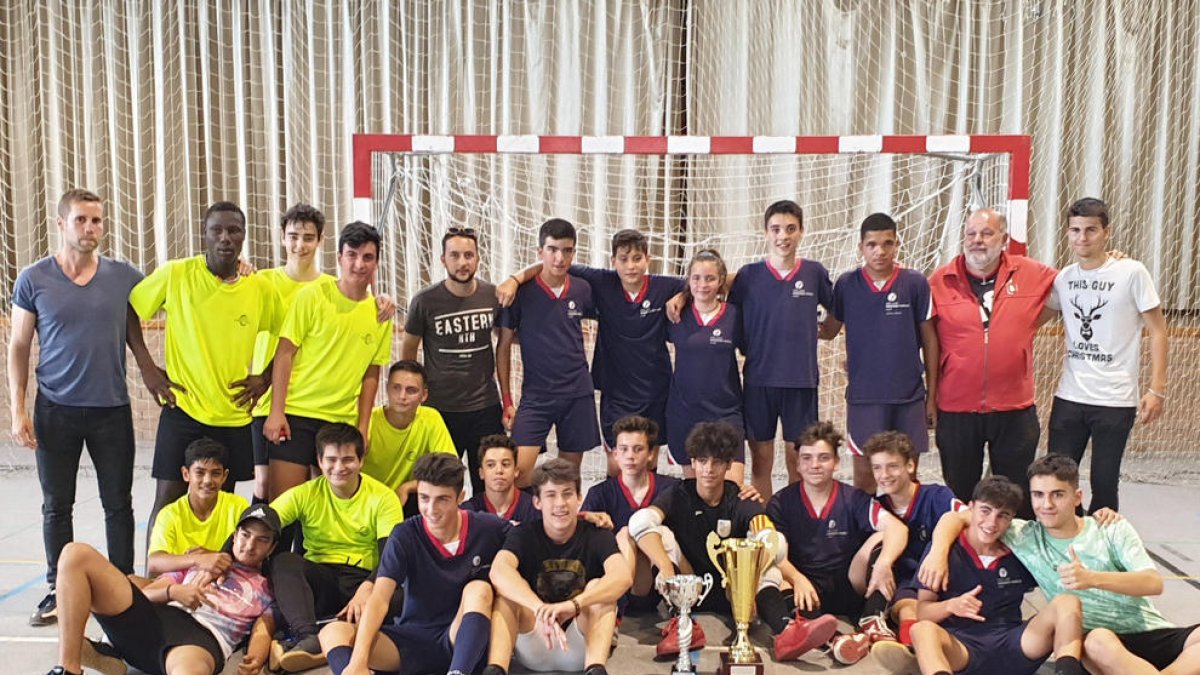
[(728, 667)]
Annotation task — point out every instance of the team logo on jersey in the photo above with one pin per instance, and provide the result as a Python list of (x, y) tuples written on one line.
[(724, 528), (367, 338), (476, 561), (891, 297), (572, 310), (833, 531), (645, 304), (1003, 572), (570, 304), (716, 332), (799, 284), (243, 320), (798, 290)]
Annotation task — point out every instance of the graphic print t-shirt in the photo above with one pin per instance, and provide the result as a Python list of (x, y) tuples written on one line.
[(558, 572)]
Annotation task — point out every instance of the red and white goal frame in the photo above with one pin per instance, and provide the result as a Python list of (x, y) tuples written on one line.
[(1016, 146)]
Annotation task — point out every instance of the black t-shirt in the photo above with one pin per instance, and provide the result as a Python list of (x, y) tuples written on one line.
[(690, 518), (558, 572), (985, 292)]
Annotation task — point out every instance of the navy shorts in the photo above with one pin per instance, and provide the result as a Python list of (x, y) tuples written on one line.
[(864, 420), (177, 429), (573, 419), (301, 447), (997, 651), (613, 409), (680, 427), (764, 406), (423, 649)]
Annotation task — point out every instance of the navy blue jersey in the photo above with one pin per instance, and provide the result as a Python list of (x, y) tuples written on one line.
[(705, 385), (883, 335), (612, 497), (823, 544), (519, 511), (555, 365), (929, 503), (1005, 582), (631, 360), (779, 319), (433, 578), (558, 572)]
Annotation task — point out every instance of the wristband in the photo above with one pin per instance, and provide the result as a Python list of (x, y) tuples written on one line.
[(507, 401), (1155, 393), (575, 604)]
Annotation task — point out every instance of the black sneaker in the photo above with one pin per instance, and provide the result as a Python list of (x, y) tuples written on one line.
[(304, 655), (59, 670), (102, 658), (492, 669), (47, 611)]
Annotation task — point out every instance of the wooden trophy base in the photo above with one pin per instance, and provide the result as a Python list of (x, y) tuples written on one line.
[(730, 668)]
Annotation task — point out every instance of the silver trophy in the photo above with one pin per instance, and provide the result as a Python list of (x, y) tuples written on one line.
[(684, 592)]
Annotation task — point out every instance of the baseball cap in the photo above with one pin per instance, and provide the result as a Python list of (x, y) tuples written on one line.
[(264, 514)]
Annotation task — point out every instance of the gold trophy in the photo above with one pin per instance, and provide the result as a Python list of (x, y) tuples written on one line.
[(741, 563)]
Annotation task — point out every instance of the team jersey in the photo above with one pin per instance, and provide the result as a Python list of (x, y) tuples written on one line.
[(558, 572), (823, 544), (1004, 582), (1112, 548), (705, 384), (779, 320), (883, 335), (265, 343), (631, 360), (552, 339), (611, 496), (211, 330), (234, 603), (337, 339), (392, 452), (177, 529), (341, 531), (432, 576), (521, 510), (929, 503), (691, 519)]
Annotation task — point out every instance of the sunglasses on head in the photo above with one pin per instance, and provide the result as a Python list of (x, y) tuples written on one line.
[(461, 231)]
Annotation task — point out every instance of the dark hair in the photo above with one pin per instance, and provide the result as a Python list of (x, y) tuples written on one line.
[(464, 232), (555, 228), (555, 470), (408, 366), (716, 440), (227, 207), (357, 234), (705, 255), (74, 196), (785, 206), (876, 222), (1089, 207), (636, 424), (303, 213), (895, 442), (1000, 492), (205, 449), (441, 469), (821, 431), (630, 239), (496, 441), (1060, 466), (339, 434)]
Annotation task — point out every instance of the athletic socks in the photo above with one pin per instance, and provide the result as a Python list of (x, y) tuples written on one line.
[(1068, 665), (471, 641), (875, 604), (339, 658), (773, 609), (493, 669), (905, 633), (595, 669)]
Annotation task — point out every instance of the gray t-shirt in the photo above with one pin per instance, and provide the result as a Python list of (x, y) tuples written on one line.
[(81, 331), (457, 337)]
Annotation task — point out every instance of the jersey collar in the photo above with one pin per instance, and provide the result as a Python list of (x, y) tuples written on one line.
[(507, 515), (641, 294), (812, 512), (790, 275), (962, 541), (633, 503), (550, 292), (715, 318), (887, 286), (463, 524)]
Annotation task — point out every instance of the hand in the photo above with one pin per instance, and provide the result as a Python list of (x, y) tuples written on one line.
[(1150, 408), (882, 580), (1075, 575), (251, 388), (931, 413), (510, 413), (674, 307), (244, 268), (749, 493), (598, 518), (160, 386), (506, 291), (191, 596), (1117, 254), (252, 664), (353, 610), (934, 573), (1106, 516), (549, 619), (804, 594), (201, 579), (365, 430), (404, 492), (22, 431), (215, 564), (967, 605), (385, 308), (276, 428)]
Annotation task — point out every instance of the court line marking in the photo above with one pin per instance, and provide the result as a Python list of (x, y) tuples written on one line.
[(41, 578), (1191, 581), (22, 638)]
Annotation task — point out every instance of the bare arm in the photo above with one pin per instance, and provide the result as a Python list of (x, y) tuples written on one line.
[(276, 427), (1151, 406), (932, 354), (20, 345), (616, 580), (1045, 316), (829, 328), (161, 562), (509, 582), (259, 646), (154, 378), (366, 399), (504, 342), (408, 346), (506, 291), (372, 618), (934, 567), (895, 538)]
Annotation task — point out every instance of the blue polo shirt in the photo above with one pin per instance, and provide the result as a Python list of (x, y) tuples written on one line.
[(519, 511), (550, 331), (705, 385), (611, 496), (928, 505), (1004, 584), (823, 544)]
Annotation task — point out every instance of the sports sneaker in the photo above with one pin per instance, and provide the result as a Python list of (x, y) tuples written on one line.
[(802, 634), (895, 657), (59, 670), (46, 613), (669, 645), (850, 649), (102, 657), (876, 628), (304, 655)]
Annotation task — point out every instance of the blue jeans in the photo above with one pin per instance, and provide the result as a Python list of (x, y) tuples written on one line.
[(62, 431)]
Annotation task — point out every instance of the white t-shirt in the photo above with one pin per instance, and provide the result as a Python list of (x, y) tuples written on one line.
[(1102, 314)]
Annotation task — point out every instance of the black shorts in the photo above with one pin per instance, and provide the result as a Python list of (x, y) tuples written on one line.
[(838, 596), (144, 633), (177, 429), (301, 447), (1159, 647), (260, 441)]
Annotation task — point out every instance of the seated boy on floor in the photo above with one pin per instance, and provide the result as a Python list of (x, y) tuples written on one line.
[(974, 625), (169, 627), (557, 582), (498, 469), (441, 559)]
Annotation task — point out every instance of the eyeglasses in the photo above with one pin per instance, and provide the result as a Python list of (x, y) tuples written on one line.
[(460, 231)]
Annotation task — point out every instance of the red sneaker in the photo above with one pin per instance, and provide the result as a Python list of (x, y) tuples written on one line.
[(876, 628), (802, 635), (850, 649), (669, 645)]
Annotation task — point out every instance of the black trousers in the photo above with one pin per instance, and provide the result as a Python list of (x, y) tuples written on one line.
[(306, 591), (466, 428), (1011, 439), (1073, 424)]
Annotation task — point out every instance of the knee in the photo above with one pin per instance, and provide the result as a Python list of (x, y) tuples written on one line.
[(1067, 605), (924, 631), (1102, 645), (76, 553), (336, 634), (479, 592)]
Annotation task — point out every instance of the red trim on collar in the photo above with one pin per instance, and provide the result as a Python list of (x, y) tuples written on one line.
[(633, 504), (812, 512), (912, 503), (549, 291), (716, 317), (887, 286), (507, 515), (641, 294), (790, 275), (463, 525), (962, 541)]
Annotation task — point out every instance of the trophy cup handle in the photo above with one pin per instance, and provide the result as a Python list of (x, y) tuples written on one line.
[(715, 548), (708, 586)]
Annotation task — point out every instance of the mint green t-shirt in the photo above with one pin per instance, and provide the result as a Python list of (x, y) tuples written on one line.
[(1113, 548)]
